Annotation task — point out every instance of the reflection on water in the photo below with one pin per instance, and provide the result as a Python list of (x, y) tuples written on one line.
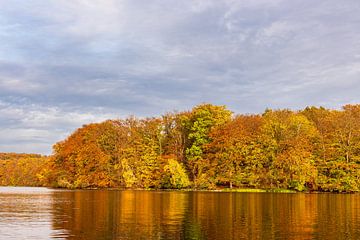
[(26, 213), (40, 213)]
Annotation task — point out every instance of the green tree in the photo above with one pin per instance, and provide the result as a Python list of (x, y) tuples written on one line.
[(202, 120)]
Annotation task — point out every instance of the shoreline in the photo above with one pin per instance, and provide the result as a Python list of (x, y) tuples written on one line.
[(224, 190)]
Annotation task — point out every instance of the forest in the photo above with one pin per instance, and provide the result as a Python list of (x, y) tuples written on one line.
[(208, 147), (17, 169)]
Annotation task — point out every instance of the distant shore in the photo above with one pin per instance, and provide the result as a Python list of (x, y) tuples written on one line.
[(219, 190)]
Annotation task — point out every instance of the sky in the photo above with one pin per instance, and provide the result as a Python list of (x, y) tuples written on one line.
[(68, 63)]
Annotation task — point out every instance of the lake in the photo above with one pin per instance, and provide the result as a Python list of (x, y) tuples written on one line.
[(41, 213)]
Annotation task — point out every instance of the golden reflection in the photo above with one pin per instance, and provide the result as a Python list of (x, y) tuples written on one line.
[(205, 215)]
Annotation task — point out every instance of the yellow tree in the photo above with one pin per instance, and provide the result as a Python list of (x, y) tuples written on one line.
[(292, 136), (233, 150)]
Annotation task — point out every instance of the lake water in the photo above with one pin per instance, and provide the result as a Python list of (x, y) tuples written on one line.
[(41, 213)]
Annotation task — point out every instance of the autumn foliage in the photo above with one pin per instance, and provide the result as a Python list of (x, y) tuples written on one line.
[(21, 169), (315, 149)]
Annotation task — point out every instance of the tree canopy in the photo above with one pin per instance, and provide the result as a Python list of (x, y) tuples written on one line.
[(314, 149)]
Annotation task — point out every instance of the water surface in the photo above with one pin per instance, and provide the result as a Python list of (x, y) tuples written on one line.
[(41, 213)]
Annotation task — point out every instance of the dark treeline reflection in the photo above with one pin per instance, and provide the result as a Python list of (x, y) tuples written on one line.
[(204, 215)]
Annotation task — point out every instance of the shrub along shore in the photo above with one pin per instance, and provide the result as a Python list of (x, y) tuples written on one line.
[(313, 150)]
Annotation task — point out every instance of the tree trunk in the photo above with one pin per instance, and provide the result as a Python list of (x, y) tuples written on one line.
[(230, 180)]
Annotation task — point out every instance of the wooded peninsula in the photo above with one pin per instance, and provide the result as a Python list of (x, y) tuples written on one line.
[(315, 149)]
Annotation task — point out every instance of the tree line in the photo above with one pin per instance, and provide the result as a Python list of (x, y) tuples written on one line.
[(19, 169), (208, 147)]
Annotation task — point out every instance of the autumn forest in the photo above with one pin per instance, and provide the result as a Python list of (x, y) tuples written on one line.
[(315, 149)]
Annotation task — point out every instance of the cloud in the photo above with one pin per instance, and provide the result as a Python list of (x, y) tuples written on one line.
[(66, 63), (40, 126)]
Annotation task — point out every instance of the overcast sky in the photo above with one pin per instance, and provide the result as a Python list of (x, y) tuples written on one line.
[(67, 63)]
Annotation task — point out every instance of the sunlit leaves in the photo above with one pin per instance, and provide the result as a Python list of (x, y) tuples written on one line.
[(308, 150), (174, 175), (22, 169)]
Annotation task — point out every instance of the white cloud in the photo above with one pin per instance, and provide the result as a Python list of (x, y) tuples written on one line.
[(40, 125), (277, 32), (90, 18), (19, 85), (65, 63)]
